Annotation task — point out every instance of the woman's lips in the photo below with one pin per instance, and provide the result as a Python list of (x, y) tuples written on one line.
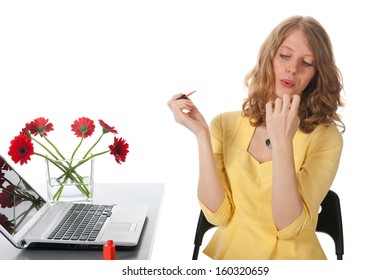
[(287, 83)]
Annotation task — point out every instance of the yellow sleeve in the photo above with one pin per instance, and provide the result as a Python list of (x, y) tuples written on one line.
[(316, 176), (226, 209)]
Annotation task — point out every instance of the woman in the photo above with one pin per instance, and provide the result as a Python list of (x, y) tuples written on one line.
[(265, 170)]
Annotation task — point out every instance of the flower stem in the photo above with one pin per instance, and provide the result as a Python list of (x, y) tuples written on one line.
[(93, 146), (55, 148), (15, 192), (68, 173), (88, 158), (78, 146), (22, 216), (43, 146)]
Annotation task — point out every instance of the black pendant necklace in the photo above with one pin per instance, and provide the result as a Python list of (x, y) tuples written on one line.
[(268, 143)]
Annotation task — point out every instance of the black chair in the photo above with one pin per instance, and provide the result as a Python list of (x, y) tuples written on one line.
[(202, 227), (329, 222)]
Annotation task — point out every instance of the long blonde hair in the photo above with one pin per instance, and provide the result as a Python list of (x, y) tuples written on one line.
[(320, 100)]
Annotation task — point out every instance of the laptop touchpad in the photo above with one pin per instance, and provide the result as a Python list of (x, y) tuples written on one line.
[(115, 226)]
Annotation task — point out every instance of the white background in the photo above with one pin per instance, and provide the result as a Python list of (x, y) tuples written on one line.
[(121, 61)]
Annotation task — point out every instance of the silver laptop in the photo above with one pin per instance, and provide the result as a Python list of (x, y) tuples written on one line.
[(28, 221)]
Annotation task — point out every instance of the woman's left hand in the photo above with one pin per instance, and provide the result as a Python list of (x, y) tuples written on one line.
[(282, 119)]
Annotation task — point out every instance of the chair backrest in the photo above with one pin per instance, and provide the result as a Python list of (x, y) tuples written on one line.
[(329, 222), (202, 227)]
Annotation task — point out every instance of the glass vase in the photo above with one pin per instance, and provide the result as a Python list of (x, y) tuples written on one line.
[(70, 179)]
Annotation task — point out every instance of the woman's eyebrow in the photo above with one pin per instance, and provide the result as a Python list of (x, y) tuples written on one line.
[(291, 49)]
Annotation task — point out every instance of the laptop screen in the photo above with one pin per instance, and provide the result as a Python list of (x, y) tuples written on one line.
[(18, 201)]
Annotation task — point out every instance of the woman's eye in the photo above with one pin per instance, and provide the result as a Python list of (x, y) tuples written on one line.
[(307, 63), (284, 56)]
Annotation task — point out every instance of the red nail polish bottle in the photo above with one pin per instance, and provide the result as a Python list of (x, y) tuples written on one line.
[(109, 250)]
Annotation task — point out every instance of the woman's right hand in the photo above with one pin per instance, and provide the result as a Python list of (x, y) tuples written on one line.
[(186, 114)]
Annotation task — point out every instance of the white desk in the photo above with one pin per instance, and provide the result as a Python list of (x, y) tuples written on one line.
[(144, 194)]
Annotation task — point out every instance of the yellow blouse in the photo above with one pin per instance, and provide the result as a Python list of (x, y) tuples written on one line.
[(245, 225)]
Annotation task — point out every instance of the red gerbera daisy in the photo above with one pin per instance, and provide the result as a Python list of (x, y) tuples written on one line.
[(8, 198), (21, 149), (4, 165), (107, 128), (26, 130), (83, 127), (1, 178), (39, 126), (119, 149), (6, 223)]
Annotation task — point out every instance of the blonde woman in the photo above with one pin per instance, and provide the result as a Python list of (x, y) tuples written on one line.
[(264, 170)]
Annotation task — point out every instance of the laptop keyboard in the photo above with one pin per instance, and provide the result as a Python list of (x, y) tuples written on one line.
[(82, 222)]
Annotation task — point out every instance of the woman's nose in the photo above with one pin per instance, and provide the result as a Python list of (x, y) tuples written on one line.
[(292, 67)]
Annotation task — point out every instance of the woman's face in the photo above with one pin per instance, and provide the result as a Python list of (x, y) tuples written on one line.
[(293, 65)]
